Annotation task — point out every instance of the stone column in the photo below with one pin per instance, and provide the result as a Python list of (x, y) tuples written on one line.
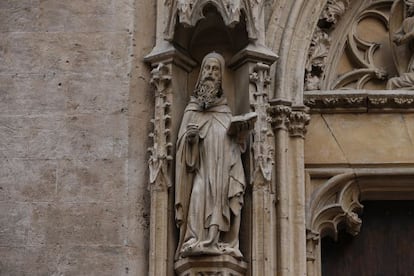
[(279, 112), (298, 121)]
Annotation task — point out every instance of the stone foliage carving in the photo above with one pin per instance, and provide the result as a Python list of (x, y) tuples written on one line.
[(403, 37), (279, 113), (321, 42), (160, 152), (189, 12), (360, 101), (298, 122), (318, 53), (263, 138), (210, 179)]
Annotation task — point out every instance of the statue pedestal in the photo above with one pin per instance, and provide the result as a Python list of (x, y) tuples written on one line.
[(223, 265)]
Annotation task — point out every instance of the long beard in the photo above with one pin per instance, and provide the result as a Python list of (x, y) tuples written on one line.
[(207, 93)]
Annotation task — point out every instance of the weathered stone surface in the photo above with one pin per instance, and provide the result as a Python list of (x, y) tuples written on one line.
[(89, 224), (361, 139), (73, 191), (27, 180), (92, 181)]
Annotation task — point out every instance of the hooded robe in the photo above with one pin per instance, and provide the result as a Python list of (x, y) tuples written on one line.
[(210, 180)]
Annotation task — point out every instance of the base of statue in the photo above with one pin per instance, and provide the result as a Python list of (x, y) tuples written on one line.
[(223, 265)]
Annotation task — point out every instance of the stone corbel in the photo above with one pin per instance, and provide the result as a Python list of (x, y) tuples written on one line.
[(336, 204), (298, 121)]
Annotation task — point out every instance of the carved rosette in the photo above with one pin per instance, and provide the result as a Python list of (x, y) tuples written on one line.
[(263, 138), (160, 152), (189, 12), (298, 122)]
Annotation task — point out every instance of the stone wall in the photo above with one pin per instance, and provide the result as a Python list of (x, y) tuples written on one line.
[(74, 115)]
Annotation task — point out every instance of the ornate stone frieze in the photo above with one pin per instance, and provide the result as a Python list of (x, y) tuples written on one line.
[(263, 138), (298, 122), (189, 12), (361, 101), (160, 151)]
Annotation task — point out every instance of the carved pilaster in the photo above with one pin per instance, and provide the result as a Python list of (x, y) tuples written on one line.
[(263, 138), (160, 151), (298, 121), (160, 169)]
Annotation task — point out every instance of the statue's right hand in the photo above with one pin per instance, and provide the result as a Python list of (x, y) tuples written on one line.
[(192, 133)]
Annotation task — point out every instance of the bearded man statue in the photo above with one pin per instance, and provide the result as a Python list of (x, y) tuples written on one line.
[(210, 180)]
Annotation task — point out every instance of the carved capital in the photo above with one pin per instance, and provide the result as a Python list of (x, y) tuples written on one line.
[(160, 151), (298, 122), (279, 112)]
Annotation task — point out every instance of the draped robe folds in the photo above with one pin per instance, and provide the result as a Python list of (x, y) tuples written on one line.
[(210, 180)]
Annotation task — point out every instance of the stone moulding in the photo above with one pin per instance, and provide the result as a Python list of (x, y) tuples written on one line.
[(359, 101)]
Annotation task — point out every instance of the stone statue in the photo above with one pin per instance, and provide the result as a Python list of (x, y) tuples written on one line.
[(210, 180), (405, 35)]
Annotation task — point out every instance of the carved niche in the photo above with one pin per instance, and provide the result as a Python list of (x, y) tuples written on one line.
[(362, 45)]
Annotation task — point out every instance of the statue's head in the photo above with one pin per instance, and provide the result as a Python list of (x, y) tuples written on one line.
[(208, 88)]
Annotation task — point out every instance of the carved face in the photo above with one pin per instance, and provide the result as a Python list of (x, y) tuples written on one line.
[(211, 72)]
